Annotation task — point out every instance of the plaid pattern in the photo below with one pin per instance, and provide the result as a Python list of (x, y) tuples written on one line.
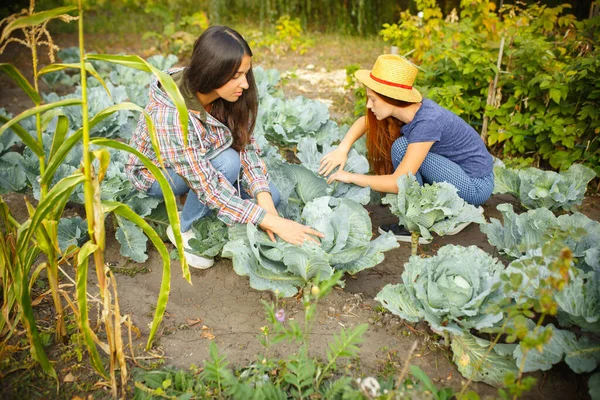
[(436, 168), (207, 138)]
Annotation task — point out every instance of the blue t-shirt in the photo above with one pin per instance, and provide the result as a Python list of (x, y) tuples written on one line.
[(453, 138)]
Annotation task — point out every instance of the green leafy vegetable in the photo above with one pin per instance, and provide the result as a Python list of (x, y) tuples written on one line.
[(581, 355), (525, 233), (452, 291), (535, 188), (283, 266), (211, 234), (474, 361), (436, 207)]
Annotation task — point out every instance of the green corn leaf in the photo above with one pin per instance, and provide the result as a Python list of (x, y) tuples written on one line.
[(169, 197), (425, 380), (64, 148), (29, 140), (28, 320), (88, 67), (165, 80), (62, 189), (34, 19), (124, 211), (62, 127), (84, 325), (20, 80), (38, 110)]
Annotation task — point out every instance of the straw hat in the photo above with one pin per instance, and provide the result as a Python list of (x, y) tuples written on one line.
[(392, 76)]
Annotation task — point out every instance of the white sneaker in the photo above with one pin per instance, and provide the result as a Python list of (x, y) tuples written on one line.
[(402, 234), (458, 228), (193, 260)]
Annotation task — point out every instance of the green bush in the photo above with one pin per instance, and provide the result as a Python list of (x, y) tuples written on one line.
[(545, 104)]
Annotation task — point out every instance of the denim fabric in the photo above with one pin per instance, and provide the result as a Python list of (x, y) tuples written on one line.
[(227, 163), (436, 168)]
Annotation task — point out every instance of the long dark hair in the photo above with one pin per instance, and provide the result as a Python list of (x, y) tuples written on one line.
[(216, 57), (380, 137)]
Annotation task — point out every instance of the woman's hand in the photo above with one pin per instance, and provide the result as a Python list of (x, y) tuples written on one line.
[(340, 176), (264, 200), (337, 157), (288, 230)]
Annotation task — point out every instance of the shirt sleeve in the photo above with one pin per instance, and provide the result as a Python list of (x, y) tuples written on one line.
[(255, 178), (211, 186)]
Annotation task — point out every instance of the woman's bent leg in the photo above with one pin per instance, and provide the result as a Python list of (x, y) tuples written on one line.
[(227, 163)]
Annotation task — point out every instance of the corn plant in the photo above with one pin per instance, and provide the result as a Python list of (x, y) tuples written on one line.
[(20, 244)]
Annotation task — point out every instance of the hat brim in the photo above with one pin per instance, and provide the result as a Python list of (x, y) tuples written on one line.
[(408, 95)]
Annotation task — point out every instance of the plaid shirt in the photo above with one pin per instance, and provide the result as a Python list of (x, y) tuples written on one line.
[(207, 138)]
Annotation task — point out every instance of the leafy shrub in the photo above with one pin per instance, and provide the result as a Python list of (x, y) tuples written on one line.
[(535, 188), (288, 36), (179, 32), (358, 90), (545, 103)]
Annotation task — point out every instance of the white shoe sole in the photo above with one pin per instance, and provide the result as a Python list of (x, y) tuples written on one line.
[(462, 226), (458, 228), (193, 260), (407, 239)]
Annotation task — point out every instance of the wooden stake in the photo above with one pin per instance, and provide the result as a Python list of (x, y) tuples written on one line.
[(492, 92)]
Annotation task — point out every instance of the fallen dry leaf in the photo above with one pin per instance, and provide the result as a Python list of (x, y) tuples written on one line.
[(193, 321), (207, 335), (69, 378)]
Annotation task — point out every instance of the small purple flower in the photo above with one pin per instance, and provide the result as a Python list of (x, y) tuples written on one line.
[(280, 315)]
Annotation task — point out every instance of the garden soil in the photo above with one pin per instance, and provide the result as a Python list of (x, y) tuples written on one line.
[(219, 306)]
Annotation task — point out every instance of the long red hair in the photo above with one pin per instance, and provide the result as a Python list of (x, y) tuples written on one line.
[(380, 137)]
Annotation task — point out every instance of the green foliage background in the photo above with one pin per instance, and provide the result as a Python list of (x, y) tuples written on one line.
[(545, 109)]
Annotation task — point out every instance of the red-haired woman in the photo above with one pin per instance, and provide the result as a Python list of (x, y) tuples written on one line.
[(406, 133)]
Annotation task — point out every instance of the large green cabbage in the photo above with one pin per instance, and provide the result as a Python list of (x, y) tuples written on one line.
[(451, 291), (526, 233), (579, 300), (535, 188), (281, 266)]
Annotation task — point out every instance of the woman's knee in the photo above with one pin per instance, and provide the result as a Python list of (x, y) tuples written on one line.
[(398, 150), (228, 163), (177, 183)]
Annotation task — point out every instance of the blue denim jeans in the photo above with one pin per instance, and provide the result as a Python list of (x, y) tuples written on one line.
[(228, 163)]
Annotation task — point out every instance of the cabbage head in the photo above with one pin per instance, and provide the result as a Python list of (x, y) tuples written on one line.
[(452, 291), (526, 234), (436, 207), (536, 188), (282, 266)]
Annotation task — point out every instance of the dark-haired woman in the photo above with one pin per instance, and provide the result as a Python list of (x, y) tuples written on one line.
[(406, 133), (221, 96)]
